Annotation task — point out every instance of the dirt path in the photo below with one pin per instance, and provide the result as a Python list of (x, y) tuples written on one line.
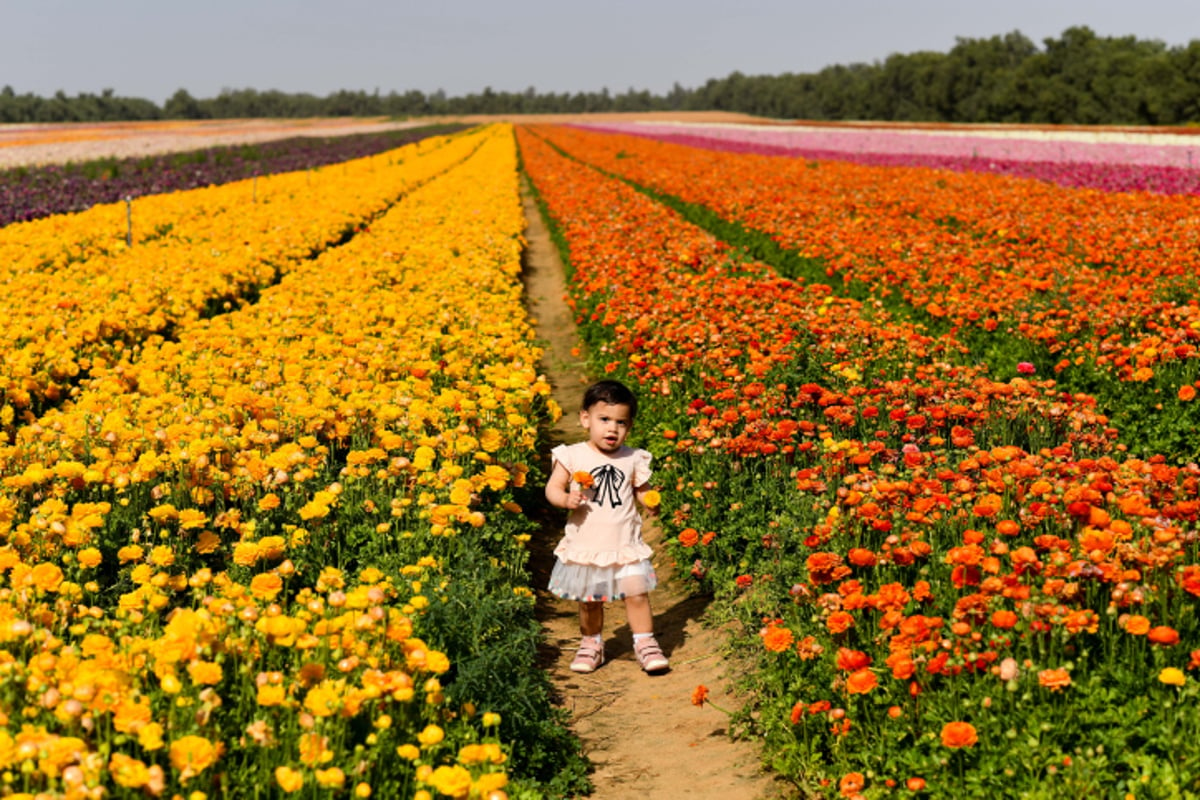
[(641, 732)]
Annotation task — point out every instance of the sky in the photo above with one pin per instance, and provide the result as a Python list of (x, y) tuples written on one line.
[(151, 48)]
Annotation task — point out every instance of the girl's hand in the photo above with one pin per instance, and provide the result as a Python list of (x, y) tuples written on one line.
[(575, 499)]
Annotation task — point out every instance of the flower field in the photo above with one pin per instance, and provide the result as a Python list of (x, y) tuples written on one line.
[(1136, 160), (261, 473), (1096, 289), (929, 437), (33, 192)]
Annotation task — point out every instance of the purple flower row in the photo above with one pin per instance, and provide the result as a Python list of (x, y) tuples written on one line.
[(1166, 168), (32, 192)]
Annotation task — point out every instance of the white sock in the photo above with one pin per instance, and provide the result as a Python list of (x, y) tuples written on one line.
[(597, 640), (637, 637)]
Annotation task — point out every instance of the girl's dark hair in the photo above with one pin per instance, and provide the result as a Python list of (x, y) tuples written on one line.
[(614, 392)]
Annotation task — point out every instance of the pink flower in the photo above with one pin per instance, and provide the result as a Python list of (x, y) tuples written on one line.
[(1025, 368)]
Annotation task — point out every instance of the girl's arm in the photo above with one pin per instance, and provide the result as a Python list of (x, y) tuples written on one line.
[(641, 492), (559, 491)]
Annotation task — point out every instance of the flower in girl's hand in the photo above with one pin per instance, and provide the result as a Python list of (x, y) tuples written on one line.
[(651, 499), (584, 479)]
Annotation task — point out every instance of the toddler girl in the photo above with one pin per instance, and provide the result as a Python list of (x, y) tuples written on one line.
[(602, 556)]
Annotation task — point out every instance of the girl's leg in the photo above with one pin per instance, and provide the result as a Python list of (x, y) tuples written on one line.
[(591, 618), (591, 646), (637, 610), (641, 622)]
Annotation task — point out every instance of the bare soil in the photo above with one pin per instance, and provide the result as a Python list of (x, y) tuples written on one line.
[(641, 732)]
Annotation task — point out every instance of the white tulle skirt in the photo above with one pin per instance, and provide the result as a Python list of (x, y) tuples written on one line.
[(591, 584)]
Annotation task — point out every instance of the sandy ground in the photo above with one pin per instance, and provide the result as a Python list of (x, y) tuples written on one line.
[(641, 732)]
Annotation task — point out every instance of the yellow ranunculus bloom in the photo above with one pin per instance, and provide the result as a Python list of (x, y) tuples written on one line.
[(1172, 676), (290, 780), (431, 735)]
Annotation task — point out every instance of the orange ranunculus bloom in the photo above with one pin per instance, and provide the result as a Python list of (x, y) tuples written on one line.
[(851, 660), (851, 784), (688, 537), (584, 479), (902, 665), (959, 734), (1008, 527), (777, 638), (1054, 679), (862, 557), (840, 621), (1164, 635), (1003, 618), (699, 695), (1187, 393), (861, 681), (1137, 625)]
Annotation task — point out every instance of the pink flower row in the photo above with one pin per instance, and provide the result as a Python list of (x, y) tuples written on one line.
[(1169, 165)]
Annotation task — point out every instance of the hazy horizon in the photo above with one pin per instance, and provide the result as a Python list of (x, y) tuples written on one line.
[(140, 48)]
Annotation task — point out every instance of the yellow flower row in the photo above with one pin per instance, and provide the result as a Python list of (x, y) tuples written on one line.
[(335, 656), (347, 347), (206, 249), (50, 244), (391, 379)]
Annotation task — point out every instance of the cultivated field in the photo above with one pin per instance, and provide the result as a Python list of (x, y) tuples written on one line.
[(922, 405)]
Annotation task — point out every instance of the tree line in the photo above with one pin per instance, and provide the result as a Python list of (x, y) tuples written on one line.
[(1076, 78)]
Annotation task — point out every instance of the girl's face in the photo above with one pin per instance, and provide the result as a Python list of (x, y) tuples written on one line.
[(607, 425)]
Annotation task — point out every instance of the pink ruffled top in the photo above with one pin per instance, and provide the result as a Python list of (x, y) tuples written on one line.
[(607, 529)]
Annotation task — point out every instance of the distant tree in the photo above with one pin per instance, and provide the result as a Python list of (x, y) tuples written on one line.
[(182, 105)]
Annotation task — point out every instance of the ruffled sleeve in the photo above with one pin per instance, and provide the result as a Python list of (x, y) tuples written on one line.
[(641, 468), (561, 454)]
